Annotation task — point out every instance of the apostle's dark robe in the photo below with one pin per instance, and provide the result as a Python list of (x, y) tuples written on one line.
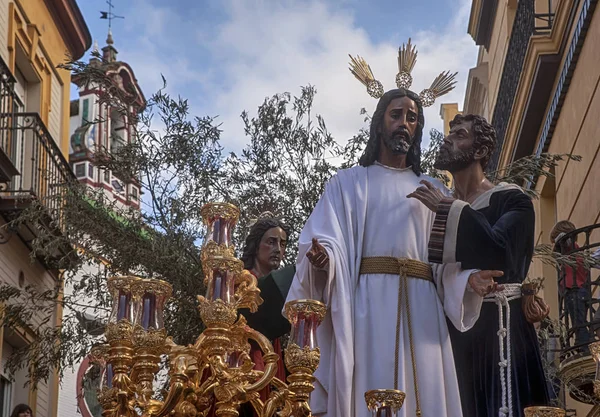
[(269, 321), (496, 232)]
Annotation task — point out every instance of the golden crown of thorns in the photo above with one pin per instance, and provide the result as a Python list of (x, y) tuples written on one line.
[(407, 58)]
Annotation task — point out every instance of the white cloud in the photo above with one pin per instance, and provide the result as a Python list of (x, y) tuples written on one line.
[(271, 47), (268, 47)]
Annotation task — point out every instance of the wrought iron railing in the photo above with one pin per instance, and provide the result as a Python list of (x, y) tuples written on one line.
[(43, 170), (523, 28), (578, 301), (544, 20)]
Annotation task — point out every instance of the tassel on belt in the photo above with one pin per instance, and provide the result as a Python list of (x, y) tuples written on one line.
[(405, 268), (502, 299)]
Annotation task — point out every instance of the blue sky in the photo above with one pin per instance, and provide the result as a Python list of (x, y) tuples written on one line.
[(227, 56)]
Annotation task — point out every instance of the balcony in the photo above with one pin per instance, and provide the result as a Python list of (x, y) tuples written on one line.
[(577, 314), (32, 168)]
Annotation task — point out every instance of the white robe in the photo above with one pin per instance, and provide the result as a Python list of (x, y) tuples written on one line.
[(364, 212)]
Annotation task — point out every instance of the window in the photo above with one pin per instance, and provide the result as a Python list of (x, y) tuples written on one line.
[(86, 112), (91, 171), (5, 394), (118, 186), (134, 194), (80, 170), (107, 176)]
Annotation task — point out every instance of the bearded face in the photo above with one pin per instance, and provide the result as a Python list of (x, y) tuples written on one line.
[(400, 125), (454, 160), (398, 142)]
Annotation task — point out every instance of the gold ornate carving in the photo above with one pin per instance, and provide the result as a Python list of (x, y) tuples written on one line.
[(222, 349), (595, 350), (385, 397), (107, 397), (306, 358), (217, 313), (153, 286), (150, 340), (99, 353), (233, 265), (120, 332), (544, 412), (121, 283), (222, 210), (292, 308), (247, 294), (213, 250)]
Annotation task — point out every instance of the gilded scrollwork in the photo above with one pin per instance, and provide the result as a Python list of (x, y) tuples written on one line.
[(229, 264), (226, 211), (247, 293), (216, 313), (212, 249), (293, 308), (544, 412), (122, 283), (152, 286), (297, 357), (151, 340), (385, 397), (120, 332)]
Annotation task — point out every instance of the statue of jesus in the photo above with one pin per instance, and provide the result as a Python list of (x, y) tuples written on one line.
[(364, 252)]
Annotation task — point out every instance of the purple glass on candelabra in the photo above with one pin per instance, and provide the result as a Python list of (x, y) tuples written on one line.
[(304, 330), (151, 296), (305, 316), (107, 376), (123, 306), (221, 285), (220, 220)]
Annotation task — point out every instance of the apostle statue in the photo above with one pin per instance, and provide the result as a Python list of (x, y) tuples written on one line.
[(363, 252), (488, 226), (263, 253)]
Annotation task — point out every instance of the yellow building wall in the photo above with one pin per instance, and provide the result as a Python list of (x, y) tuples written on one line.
[(497, 51), (28, 26), (31, 24), (447, 112)]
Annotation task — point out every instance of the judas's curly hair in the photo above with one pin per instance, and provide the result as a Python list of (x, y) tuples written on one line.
[(483, 132)]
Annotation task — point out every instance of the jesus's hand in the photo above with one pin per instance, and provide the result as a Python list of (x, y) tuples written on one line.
[(317, 255), (429, 195), (483, 283)]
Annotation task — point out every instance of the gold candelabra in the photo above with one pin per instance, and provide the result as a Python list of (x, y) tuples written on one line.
[(215, 374)]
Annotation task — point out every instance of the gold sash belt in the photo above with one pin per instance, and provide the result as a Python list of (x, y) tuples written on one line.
[(404, 268), (396, 266)]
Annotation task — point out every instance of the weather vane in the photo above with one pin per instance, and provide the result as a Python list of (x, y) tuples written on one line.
[(110, 15)]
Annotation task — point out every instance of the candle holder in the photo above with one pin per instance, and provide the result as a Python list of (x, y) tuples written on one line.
[(302, 355), (149, 334), (216, 373), (595, 351), (119, 334), (384, 402), (107, 395), (544, 412), (220, 220)]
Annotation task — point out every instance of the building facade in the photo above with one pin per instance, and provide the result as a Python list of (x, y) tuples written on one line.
[(35, 36), (95, 128), (536, 80)]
